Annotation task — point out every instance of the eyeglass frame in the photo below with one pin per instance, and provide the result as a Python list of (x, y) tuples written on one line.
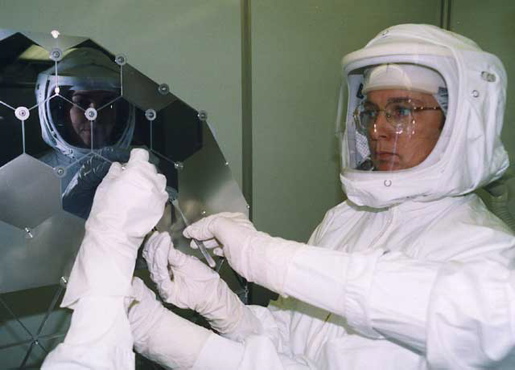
[(413, 107)]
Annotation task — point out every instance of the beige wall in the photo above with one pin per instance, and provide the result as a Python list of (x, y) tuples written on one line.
[(297, 49), (492, 25)]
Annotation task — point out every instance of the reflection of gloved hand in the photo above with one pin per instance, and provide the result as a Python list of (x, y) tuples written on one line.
[(128, 203), (194, 285), (256, 256), (78, 195), (160, 335)]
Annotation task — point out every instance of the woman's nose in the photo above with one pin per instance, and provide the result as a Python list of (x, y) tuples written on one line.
[(94, 104)]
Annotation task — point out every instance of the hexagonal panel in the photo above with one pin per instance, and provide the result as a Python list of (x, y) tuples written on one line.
[(40, 256), (87, 108), (29, 192)]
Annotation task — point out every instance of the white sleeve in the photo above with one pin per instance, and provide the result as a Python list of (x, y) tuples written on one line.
[(262, 342), (335, 281), (256, 352), (99, 337), (471, 318), (460, 314)]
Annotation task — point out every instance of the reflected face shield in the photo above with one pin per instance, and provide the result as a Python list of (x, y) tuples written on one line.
[(69, 115), (396, 120)]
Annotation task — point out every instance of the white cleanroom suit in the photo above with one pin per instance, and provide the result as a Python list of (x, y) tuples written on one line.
[(356, 301), (411, 272)]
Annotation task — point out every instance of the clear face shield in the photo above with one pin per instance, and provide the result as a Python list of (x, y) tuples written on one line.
[(395, 118), (81, 103)]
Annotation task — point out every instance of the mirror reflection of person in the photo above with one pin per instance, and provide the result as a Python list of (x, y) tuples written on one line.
[(411, 272), (86, 78), (80, 128)]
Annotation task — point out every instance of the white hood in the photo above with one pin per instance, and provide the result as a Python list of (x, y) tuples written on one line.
[(82, 69), (469, 153)]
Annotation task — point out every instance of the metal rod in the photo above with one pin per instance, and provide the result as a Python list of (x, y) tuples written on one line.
[(445, 14), (16, 318), (27, 355), (20, 343), (210, 261), (151, 135), (23, 134), (56, 297), (246, 101)]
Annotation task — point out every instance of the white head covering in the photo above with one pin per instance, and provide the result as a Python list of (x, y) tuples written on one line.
[(469, 152), (403, 76)]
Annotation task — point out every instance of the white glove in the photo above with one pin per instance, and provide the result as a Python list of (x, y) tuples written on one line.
[(99, 337), (162, 336), (127, 204), (78, 195), (256, 256), (195, 286)]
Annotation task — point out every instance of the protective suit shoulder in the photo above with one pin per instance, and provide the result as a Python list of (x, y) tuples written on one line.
[(332, 219), (467, 230)]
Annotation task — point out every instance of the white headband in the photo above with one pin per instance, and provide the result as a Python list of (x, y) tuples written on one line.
[(403, 76)]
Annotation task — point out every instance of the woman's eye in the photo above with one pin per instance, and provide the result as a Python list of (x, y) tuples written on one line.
[(400, 111), (369, 112)]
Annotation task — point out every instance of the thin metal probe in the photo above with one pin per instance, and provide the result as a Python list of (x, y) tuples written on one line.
[(200, 245)]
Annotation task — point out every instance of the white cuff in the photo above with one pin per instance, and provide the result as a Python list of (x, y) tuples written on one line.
[(358, 282)]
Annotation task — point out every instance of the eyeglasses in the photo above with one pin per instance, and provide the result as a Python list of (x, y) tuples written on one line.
[(399, 114)]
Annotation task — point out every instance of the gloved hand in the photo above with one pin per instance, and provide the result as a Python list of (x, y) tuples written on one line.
[(256, 256), (127, 204), (78, 195), (160, 335), (194, 285)]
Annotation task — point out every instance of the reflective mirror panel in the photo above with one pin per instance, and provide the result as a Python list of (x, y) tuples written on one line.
[(68, 109)]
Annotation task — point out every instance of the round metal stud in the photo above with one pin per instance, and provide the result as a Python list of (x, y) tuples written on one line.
[(63, 281), (487, 76), (91, 114), (120, 59), (163, 89), (150, 114), (60, 171), (178, 166), (387, 183), (475, 93), (29, 233), (22, 113), (202, 115), (56, 54)]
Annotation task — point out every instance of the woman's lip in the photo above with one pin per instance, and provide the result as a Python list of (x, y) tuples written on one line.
[(384, 154)]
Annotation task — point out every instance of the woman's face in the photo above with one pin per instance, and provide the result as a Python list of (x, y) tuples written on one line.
[(392, 150), (84, 133)]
